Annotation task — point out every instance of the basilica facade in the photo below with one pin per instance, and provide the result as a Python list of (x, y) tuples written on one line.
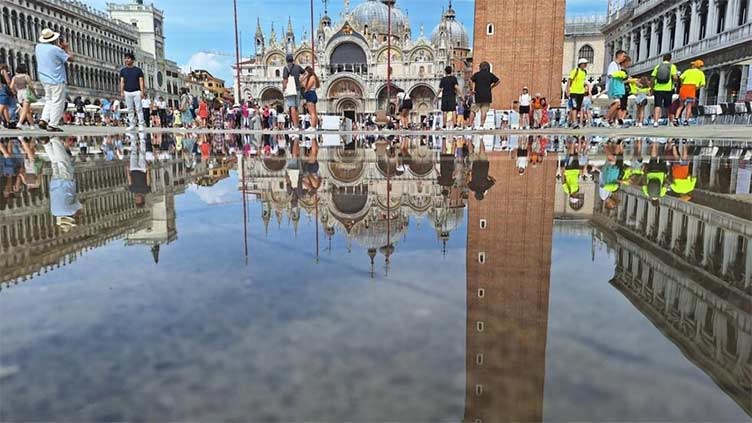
[(351, 59)]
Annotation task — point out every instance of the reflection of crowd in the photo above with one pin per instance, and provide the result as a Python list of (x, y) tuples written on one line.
[(657, 167)]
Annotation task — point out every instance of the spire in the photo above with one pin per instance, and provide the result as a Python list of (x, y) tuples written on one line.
[(259, 32), (289, 26), (155, 253)]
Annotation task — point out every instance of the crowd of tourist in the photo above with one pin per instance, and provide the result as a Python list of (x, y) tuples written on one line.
[(674, 93)]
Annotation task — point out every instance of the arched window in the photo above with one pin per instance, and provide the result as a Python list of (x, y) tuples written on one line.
[(586, 52), (490, 29), (276, 73)]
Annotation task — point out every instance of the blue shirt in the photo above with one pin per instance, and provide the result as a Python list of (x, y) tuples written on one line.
[(51, 64)]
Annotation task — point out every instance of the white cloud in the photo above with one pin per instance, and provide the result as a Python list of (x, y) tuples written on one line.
[(217, 65)]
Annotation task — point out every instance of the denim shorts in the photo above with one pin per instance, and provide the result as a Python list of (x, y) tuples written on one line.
[(311, 97), (293, 101), (4, 95)]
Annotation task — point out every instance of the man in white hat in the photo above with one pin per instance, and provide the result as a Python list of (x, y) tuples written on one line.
[(575, 90), (52, 53)]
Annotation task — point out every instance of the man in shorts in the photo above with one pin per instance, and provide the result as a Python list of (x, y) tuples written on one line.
[(291, 75), (482, 84), (576, 90), (449, 87), (682, 181), (570, 181), (664, 76), (692, 80), (611, 173), (656, 171), (480, 180)]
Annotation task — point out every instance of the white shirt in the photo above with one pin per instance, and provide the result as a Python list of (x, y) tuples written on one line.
[(145, 103), (612, 67), (525, 100)]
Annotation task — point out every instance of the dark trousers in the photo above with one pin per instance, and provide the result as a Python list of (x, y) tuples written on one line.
[(147, 117)]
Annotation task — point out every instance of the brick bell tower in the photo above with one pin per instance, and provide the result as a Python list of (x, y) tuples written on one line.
[(509, 240), (524, 43)]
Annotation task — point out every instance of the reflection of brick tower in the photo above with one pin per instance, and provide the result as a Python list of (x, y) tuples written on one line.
[(524, 42), (508, 269)]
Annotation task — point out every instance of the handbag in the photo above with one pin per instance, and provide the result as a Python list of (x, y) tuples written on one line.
[(31, 96), (291, 90)]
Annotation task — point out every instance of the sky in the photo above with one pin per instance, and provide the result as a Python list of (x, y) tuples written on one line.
[(198, 38)]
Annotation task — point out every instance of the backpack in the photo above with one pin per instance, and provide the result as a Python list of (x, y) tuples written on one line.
[(663, 75), (194, 105)]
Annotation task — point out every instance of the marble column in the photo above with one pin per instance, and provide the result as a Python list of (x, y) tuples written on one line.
[(722, 86), (650, 220), (732, 14), (694, 24), (641, 204), (712, 21), (653, 39), (662, 221), (679, 31), (691, 234), (666, 41), (676, 228), (729, 250), (708, 241)]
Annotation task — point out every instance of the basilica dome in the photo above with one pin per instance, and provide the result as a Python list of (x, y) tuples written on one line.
[(453, 30), (375, 14)]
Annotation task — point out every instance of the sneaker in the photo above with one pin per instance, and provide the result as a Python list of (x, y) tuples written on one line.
[(655, 124), (53, 129)]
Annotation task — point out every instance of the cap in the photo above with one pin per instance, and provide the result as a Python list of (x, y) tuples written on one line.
[(582, 61), (526, 88), (698, 63)]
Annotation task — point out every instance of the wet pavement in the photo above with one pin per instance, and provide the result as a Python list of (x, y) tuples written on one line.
[(411, 279)]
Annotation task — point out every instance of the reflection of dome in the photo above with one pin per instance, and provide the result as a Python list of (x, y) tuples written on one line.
[(375, 14), (375, 234), (446, 220), (452, 28), (350, 203)]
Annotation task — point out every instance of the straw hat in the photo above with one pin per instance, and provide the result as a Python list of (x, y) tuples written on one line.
[(48, 36)]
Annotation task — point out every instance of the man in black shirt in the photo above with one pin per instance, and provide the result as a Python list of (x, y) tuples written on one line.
[(138, 170), (482, 84), (480, 181), (448, 90), (131, 89)]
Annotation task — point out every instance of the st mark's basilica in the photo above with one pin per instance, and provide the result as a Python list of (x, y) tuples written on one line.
[(351, 59)]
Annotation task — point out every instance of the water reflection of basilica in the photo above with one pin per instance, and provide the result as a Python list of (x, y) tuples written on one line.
[(362, 195), (32, 244)]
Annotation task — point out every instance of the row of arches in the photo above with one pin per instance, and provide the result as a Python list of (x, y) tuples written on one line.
[(26, 27)]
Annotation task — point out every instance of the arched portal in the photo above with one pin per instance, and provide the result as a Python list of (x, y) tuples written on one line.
[(272, 97)]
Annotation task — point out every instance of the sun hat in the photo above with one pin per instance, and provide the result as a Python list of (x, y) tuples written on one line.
[(48, 36), (582, 61)]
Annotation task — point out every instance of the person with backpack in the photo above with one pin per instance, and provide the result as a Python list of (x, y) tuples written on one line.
[(576, 89), (664, 77), (615, 85), (291, 88)]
